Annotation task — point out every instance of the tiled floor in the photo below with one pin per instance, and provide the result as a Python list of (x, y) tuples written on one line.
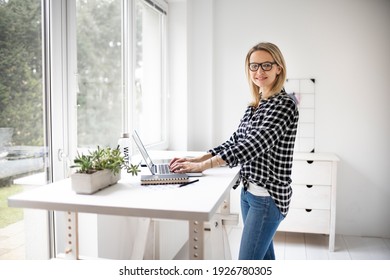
[(288, 246)]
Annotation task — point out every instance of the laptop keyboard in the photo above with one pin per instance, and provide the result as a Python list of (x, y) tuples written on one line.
[(163, 169)]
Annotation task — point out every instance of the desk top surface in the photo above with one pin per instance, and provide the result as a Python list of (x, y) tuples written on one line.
[(198, 201)]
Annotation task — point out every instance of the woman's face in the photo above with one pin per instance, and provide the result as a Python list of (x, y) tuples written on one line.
[(263, 70)]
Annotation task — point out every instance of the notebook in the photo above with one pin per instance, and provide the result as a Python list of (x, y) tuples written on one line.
[(163, 179), (155, 169)]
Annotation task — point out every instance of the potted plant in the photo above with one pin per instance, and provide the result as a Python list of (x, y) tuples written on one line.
[(99, 169)]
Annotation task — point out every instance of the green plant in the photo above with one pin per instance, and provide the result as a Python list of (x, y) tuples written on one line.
[(133, 169), (103, 158), (108, 158), (9, 215), (83, 163)]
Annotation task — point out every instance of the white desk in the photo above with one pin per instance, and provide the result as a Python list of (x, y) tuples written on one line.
[(198, 203)]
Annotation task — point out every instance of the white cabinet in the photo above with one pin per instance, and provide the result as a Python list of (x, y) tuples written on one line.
[(313, 204)]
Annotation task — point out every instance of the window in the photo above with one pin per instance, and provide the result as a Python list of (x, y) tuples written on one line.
[(23, 145), (149, 85), (99, 66), (111, 100)]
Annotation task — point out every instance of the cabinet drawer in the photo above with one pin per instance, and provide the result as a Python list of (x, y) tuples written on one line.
[(311, 197), (301, 220), (312, 172)]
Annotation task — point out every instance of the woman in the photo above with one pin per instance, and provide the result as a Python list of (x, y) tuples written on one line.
[(263, 145)]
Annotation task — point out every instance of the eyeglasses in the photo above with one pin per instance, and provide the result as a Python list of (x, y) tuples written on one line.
[(266, 66)]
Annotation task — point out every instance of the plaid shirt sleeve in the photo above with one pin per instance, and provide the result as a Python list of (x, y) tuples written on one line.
[(263, 145), (234, 138)]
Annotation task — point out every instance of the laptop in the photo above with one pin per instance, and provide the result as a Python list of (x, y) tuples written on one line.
[(159, 168)]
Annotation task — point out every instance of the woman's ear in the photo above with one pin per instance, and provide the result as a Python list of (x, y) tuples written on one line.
[(279, 70)]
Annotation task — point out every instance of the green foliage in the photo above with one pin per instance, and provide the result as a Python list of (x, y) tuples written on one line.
[(99, 63), (99, 71), (133, 169), (21, 98), (9, 215), (83, 163), (103, 158), (108, 159)]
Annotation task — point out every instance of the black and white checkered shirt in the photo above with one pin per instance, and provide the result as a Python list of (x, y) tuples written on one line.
[(263, 145)]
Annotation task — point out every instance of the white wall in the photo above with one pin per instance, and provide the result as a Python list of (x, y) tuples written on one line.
[(344, 45), (177, 80)]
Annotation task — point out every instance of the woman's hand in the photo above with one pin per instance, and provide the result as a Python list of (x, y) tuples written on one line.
[(185, 165), (189, 165)]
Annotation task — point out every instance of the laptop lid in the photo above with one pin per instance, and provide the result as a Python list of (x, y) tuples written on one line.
[(148, 160), (142, 150)]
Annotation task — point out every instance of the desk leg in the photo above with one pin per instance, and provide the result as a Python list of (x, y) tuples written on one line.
[(72, 236), (196, 240), (147, 244), (152, 246), (331, 241), (218, 239), (217, 235), (219, 242)]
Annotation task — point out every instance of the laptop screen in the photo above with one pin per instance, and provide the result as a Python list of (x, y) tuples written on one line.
[(143, 151)]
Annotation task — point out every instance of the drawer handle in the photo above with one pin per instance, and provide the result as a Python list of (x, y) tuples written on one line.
[(309, 186), (308, 210), (310, 161)]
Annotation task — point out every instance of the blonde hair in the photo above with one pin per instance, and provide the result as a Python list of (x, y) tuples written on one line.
[(276, 54)]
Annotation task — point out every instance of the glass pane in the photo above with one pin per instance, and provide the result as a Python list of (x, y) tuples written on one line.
[(99, 100), (148, 95), (22, 134)]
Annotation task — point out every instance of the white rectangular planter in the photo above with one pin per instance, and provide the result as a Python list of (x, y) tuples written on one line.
[(90, 183)]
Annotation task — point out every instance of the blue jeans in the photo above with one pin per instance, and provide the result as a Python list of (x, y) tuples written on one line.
[(261, 219)]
